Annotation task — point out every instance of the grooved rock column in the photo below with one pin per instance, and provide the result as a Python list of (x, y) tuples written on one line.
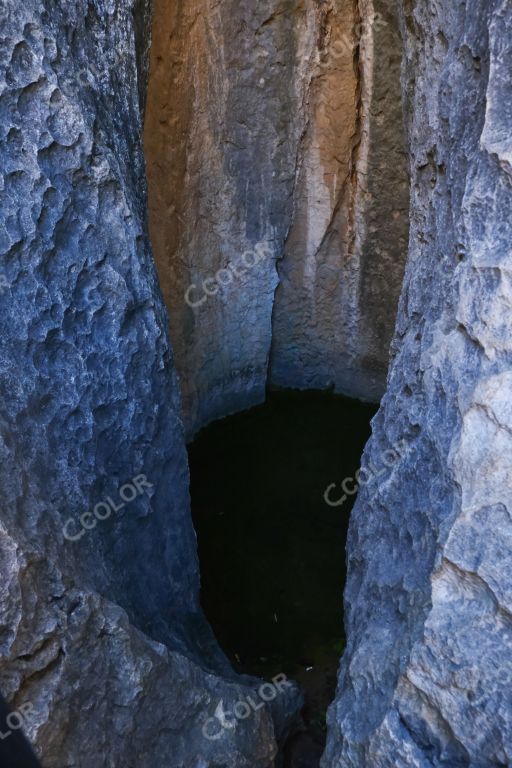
[(343, 261), (266, 134), (100, 629), (426, 680)]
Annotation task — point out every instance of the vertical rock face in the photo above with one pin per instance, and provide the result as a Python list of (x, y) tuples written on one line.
[(275, 157), (342, 267), (89, 396), (220, 141), (426, 678), (274, 162), (93, 467)]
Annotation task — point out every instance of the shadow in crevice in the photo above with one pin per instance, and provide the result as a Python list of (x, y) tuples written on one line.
[(15, 751), (272, 551)]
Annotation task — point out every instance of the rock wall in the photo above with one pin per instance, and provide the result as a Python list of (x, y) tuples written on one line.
[(100, 630), (220, 140), (101, 639), (426, 678), (278, 195), (342, 266)]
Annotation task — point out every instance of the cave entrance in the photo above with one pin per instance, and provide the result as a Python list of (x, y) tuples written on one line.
[(271, 550)]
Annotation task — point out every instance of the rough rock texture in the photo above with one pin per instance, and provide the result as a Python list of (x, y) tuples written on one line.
[(426, 678), (264, 130), (220, 139), (88, 401), (343, 261)]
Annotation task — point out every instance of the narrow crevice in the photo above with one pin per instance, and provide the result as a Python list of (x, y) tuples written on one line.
[(271, 548)]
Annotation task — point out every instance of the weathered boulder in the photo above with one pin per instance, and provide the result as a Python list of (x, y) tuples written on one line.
[(426, 678), (100, 629)]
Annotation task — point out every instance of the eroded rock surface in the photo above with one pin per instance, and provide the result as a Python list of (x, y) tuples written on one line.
[(101, 634), (342, 266), (269, 131), (220, 138), (426, 678)]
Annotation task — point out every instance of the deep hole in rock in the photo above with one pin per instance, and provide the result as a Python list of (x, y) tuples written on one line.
[(273, 125), (272, 551), (278, 212)]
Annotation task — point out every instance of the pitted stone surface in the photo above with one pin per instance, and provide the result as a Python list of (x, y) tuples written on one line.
[(88, 401), (426, 678)]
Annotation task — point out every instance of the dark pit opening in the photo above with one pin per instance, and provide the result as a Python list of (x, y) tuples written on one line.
[(271, 550)]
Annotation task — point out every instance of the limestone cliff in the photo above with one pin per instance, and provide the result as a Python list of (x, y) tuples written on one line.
[(276, 161), (426, 678), (343, 260), (100, 628), (278, 206)]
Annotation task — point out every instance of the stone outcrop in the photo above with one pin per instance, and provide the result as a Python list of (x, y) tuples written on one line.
[(100, 632), (278, 195), (426, 678)]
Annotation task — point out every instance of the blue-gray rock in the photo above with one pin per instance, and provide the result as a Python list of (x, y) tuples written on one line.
[(426, 677), (101, 637)]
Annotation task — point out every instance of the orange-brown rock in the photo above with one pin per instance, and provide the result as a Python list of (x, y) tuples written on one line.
[(275, 161)]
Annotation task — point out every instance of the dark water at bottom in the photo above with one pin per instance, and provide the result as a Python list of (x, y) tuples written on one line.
[(272, 552)]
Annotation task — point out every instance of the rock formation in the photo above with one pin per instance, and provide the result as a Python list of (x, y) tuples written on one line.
[(426, 678), (278, 195), (101, 636), (342, 266), (278, 209)]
